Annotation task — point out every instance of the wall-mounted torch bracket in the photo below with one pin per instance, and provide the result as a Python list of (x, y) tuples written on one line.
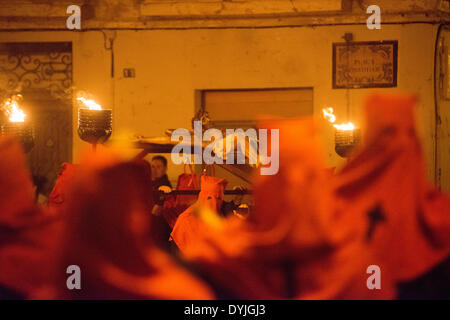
[(346, 141)]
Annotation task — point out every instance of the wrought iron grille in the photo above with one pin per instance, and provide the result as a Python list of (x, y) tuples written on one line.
[(36, 66)]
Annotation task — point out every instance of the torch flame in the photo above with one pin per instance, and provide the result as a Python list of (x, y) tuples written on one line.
[(13, 111), (329, 115), (345, 126), (91, 104)]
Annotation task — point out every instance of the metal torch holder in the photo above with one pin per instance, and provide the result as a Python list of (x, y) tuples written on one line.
[(94, 126), (21, 130), (346, 141)]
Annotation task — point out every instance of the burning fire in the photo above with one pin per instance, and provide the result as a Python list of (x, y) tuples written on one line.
[(329, 115), (15, 114), (345, 126), (91, 104)]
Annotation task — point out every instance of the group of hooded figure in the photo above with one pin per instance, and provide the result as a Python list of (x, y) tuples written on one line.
[(310, 235)]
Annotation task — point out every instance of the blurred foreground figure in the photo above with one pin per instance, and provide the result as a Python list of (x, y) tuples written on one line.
[(301, 247), (190, 227), (287, 248), (315, 237), (310, 236), (59, 194), (107, 236), (384, 188), (27, 234)]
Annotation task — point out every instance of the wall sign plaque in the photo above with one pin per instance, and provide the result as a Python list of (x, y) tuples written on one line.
[(365, 64)]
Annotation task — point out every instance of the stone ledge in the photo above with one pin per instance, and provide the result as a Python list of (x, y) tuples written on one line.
[(59, 23), (121, 14), (235, 8)]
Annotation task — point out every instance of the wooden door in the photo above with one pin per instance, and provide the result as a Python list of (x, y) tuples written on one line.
[(230, 109), (241, 108)]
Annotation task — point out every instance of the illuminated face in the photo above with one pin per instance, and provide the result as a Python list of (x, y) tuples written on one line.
[(213, 202), (158, 169), (211, 194)]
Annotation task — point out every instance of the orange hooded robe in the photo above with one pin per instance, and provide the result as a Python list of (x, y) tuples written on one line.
[(384, 188), (27, 233), (107, 236)]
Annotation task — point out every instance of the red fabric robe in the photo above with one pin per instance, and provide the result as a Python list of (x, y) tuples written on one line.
[(189, 228), (107, 236), (289, 248), (27, 234), (174, 206), (57, 197), (384, 188)]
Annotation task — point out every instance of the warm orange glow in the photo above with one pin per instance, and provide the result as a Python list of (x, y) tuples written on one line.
[(91, 104), (13, 111), (329, 115), (345, 126)]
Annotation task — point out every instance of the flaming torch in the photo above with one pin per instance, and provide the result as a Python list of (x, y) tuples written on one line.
[(346, 136), (94, 123), (16, 124)]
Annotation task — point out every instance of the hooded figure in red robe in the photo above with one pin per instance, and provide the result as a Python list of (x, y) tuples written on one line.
[(288, 248), (107, 237), (189, 228), (384, 188), (176, 205), (27, 234)]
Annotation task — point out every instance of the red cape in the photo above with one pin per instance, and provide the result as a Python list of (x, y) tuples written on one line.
[(107, 236), (384, 188)]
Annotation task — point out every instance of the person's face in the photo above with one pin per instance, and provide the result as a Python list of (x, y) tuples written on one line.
[(212, 200), (214, 203), (158, 169)]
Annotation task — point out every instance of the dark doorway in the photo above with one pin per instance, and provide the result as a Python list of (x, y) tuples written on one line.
[(42, 74)]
